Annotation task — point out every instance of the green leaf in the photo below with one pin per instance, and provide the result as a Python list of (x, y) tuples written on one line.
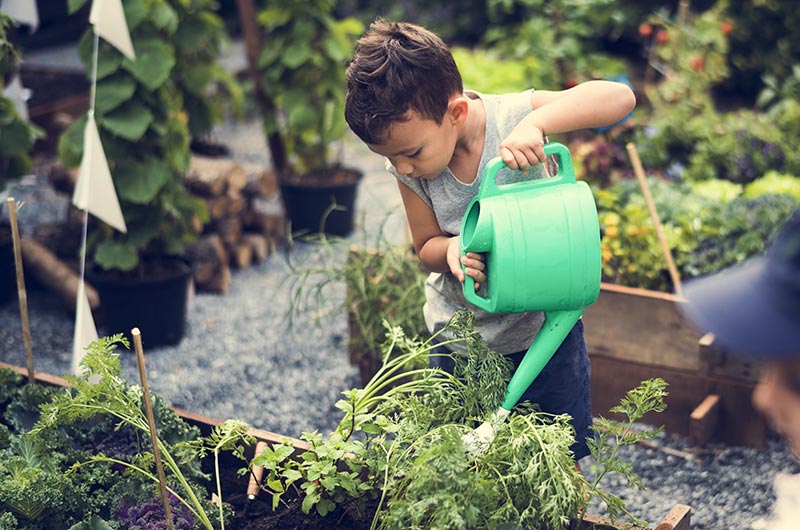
[(297, 54), (94, 523), (140, 182), (153, 65), (15, 138), (70, 144), (108, 58), (135, 11), (74, 5), (129, 121), (197, 77), (113, 91), (192, 33), (116, 255), (300, 112), (164, 17)]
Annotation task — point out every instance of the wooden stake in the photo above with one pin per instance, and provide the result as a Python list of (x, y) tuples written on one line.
[(254, 485), (162, 481), (648, 198), (22, 293)]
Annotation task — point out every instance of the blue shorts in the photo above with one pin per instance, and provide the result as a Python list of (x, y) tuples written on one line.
[(563, 387)]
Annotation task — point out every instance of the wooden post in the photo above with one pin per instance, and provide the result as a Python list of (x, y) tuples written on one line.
[(648, 198), (678, 518), (162, 481), (22, 293), (704, 420), (254, 484), (252, 39)]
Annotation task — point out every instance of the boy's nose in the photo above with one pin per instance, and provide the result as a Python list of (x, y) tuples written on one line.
[(404, 168)]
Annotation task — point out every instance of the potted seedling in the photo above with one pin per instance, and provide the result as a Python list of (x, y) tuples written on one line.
[(301, 68), (143, 130)]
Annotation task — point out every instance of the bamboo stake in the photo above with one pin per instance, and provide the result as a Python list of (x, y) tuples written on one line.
[(254, 485), (162, 481), (648, 198), (22, 293)]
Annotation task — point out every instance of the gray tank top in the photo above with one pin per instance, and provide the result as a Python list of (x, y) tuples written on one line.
[(448, 197)]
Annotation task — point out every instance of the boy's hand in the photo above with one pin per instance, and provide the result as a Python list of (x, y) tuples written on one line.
[(473, 262), (524, 146)]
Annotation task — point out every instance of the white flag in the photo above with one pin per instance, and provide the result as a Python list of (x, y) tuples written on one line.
[(94, 191), (108, 19), (22, 11), (85, 331), (19, 95)]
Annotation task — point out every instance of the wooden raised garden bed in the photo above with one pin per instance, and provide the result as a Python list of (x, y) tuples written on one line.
[(635, 334), (256, 513)]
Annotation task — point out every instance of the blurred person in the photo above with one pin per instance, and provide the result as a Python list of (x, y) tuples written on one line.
[(753, 309)]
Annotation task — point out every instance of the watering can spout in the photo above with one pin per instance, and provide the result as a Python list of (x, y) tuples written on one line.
[(555, 329), (557, 325)]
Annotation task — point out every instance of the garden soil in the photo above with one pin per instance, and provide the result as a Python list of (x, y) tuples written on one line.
[(241, 359)]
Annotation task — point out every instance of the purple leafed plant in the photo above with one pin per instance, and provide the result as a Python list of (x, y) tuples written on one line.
[(150, 516)]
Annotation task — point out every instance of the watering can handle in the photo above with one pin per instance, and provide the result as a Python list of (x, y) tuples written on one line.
[(565, 174)]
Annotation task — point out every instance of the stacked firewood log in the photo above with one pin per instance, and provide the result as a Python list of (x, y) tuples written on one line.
[(245, 219)]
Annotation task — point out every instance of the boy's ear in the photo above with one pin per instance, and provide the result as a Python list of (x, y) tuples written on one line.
[(457, 110)]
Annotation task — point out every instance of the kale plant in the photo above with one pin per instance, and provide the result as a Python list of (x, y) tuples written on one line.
[(150, 515), (101, 392)]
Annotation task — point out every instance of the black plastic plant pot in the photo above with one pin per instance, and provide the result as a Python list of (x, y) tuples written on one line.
[(311, 210), (155, 303)]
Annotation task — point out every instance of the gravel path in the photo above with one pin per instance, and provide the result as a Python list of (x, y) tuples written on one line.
[(240, 360)]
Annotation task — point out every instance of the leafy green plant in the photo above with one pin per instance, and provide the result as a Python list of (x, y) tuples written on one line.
[(208, 89), (143, 128), (101, 391), (613, 434), (302, 69), (760, 46), (774, 183), (708, 226), (16, 134), (399, 447), (486, 70), (382, 281), (562, 35)]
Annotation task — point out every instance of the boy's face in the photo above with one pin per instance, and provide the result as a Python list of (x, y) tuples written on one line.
[(777, 396), (419, 148)]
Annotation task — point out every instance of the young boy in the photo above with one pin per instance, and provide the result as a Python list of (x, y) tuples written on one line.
[(406, 101), (754, 310)]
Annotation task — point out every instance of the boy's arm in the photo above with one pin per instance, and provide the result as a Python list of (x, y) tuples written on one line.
[(437, 251), (587, 105)]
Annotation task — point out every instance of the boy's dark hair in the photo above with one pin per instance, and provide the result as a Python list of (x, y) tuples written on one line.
[(398, 67)]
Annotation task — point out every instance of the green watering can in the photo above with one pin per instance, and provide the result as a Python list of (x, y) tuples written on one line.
[(541, 241)]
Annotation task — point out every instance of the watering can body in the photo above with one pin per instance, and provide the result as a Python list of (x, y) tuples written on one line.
[(541, 243)]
